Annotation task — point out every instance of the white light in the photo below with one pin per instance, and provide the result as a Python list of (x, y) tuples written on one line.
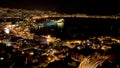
[(7, 30), (13, 25), (1, 58), (31, 53), (60, 24), (48, 36), (9, 44)]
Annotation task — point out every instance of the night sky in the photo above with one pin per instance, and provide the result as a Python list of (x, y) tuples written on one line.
[(66, 6)]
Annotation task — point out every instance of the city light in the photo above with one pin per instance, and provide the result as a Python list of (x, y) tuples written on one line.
[(39, 39), (7, 30)]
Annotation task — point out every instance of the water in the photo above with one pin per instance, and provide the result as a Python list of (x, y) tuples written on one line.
[(81, 28)]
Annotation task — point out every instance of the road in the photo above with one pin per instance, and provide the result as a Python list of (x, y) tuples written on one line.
[(90, 63)]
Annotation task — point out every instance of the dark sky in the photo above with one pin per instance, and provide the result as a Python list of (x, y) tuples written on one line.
[(68, 6)]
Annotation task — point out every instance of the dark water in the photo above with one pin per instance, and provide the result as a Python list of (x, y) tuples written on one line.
[(81, 28)]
